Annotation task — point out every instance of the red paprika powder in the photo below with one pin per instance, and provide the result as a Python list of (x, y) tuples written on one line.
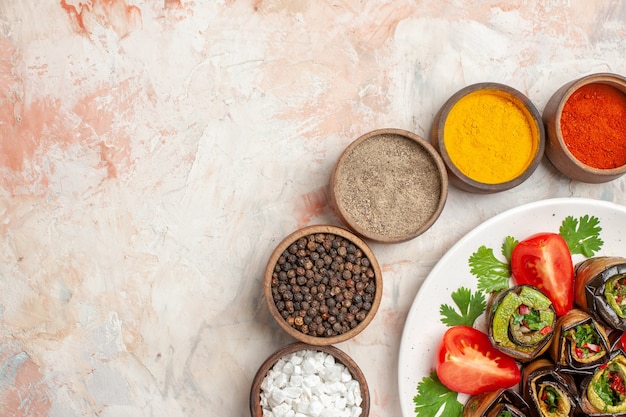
[(593, 125)]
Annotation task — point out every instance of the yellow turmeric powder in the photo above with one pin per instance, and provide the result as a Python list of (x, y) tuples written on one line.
[(490, 136)]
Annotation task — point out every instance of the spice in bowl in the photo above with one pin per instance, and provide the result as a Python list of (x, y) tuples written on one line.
[(323, 285), (593, 125), (490, 137), (586, 125), (310, 382), (389, 186), (305, 380)]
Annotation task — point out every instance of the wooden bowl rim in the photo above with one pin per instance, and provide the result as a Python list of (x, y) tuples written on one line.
[(283, 245), (614, 80), (341, 356), (520, 99), (361, 230)]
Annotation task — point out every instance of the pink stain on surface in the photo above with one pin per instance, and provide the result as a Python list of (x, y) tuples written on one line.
[(25, 392), (115, 14), (21, 134), (98, 123), (310, 205)]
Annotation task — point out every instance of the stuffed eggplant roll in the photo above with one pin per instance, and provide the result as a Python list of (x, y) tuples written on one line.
[(548, 392), (600, 289), (521, 322), (604, 392), (498, 403), (580, 343)]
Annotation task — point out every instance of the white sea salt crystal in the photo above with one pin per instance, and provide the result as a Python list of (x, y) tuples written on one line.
[(336, 387), (276, 398), (330, 412), (312, 380), (319, 389), (296, 380), (326, 400), (332, 373), (281, 380), (302, 407), (307, 394), (329, 360), (346, 375), (288, 369), (293, 392), (315, 408), (281, 410), (309, 365), (340, 403), (350, 398), (310, 383)]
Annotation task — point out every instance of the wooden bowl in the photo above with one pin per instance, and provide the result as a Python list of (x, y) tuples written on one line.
[(556, 148), (272, 282), (389, 186), (340, 356), (465, 174)]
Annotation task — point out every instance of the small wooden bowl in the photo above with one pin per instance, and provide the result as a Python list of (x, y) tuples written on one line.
[(556, 149), (340, 356), (269, 277), (389, 186), (520, 101)]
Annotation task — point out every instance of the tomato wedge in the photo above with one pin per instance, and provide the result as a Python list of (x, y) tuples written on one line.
[(467, 362), (544, 261)]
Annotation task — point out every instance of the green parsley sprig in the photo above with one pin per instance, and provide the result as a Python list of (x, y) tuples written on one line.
[(492, 273), (470, 307), (582, 235), (433, 396)]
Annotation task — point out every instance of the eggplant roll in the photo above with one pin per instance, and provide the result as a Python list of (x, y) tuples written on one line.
[(600, 289), (498, 403), (521, 322), (548, 392), (604, 392), (579, 343)]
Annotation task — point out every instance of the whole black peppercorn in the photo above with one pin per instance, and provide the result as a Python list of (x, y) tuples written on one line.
[(323, 285)]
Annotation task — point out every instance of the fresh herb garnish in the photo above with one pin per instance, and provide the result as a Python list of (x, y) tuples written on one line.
[(585, 334), (586, 340), (582, 235), (492, 273), (610, 386), (529, 318), (433, 396), (470, 307), (507, 247), (551, 398)]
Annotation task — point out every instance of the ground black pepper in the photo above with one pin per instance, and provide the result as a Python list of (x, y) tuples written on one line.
[(323, 285)]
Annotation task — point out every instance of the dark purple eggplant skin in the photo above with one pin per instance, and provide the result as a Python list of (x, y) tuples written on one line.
[(591, 276), (489, 404), (544, 370)]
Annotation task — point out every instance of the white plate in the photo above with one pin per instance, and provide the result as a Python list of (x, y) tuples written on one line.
[(423, 328)]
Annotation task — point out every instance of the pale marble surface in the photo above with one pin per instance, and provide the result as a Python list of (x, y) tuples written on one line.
[(153, 153)]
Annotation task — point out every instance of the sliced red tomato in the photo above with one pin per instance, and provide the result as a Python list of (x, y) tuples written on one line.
[(544, 261), (467, 362)]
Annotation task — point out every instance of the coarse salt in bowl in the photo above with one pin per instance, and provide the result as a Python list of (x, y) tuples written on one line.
[(490, 137), (586, 128), (310, 381), (323, 285)]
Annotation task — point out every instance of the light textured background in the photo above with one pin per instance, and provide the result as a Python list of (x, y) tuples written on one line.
[(153, 153)]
